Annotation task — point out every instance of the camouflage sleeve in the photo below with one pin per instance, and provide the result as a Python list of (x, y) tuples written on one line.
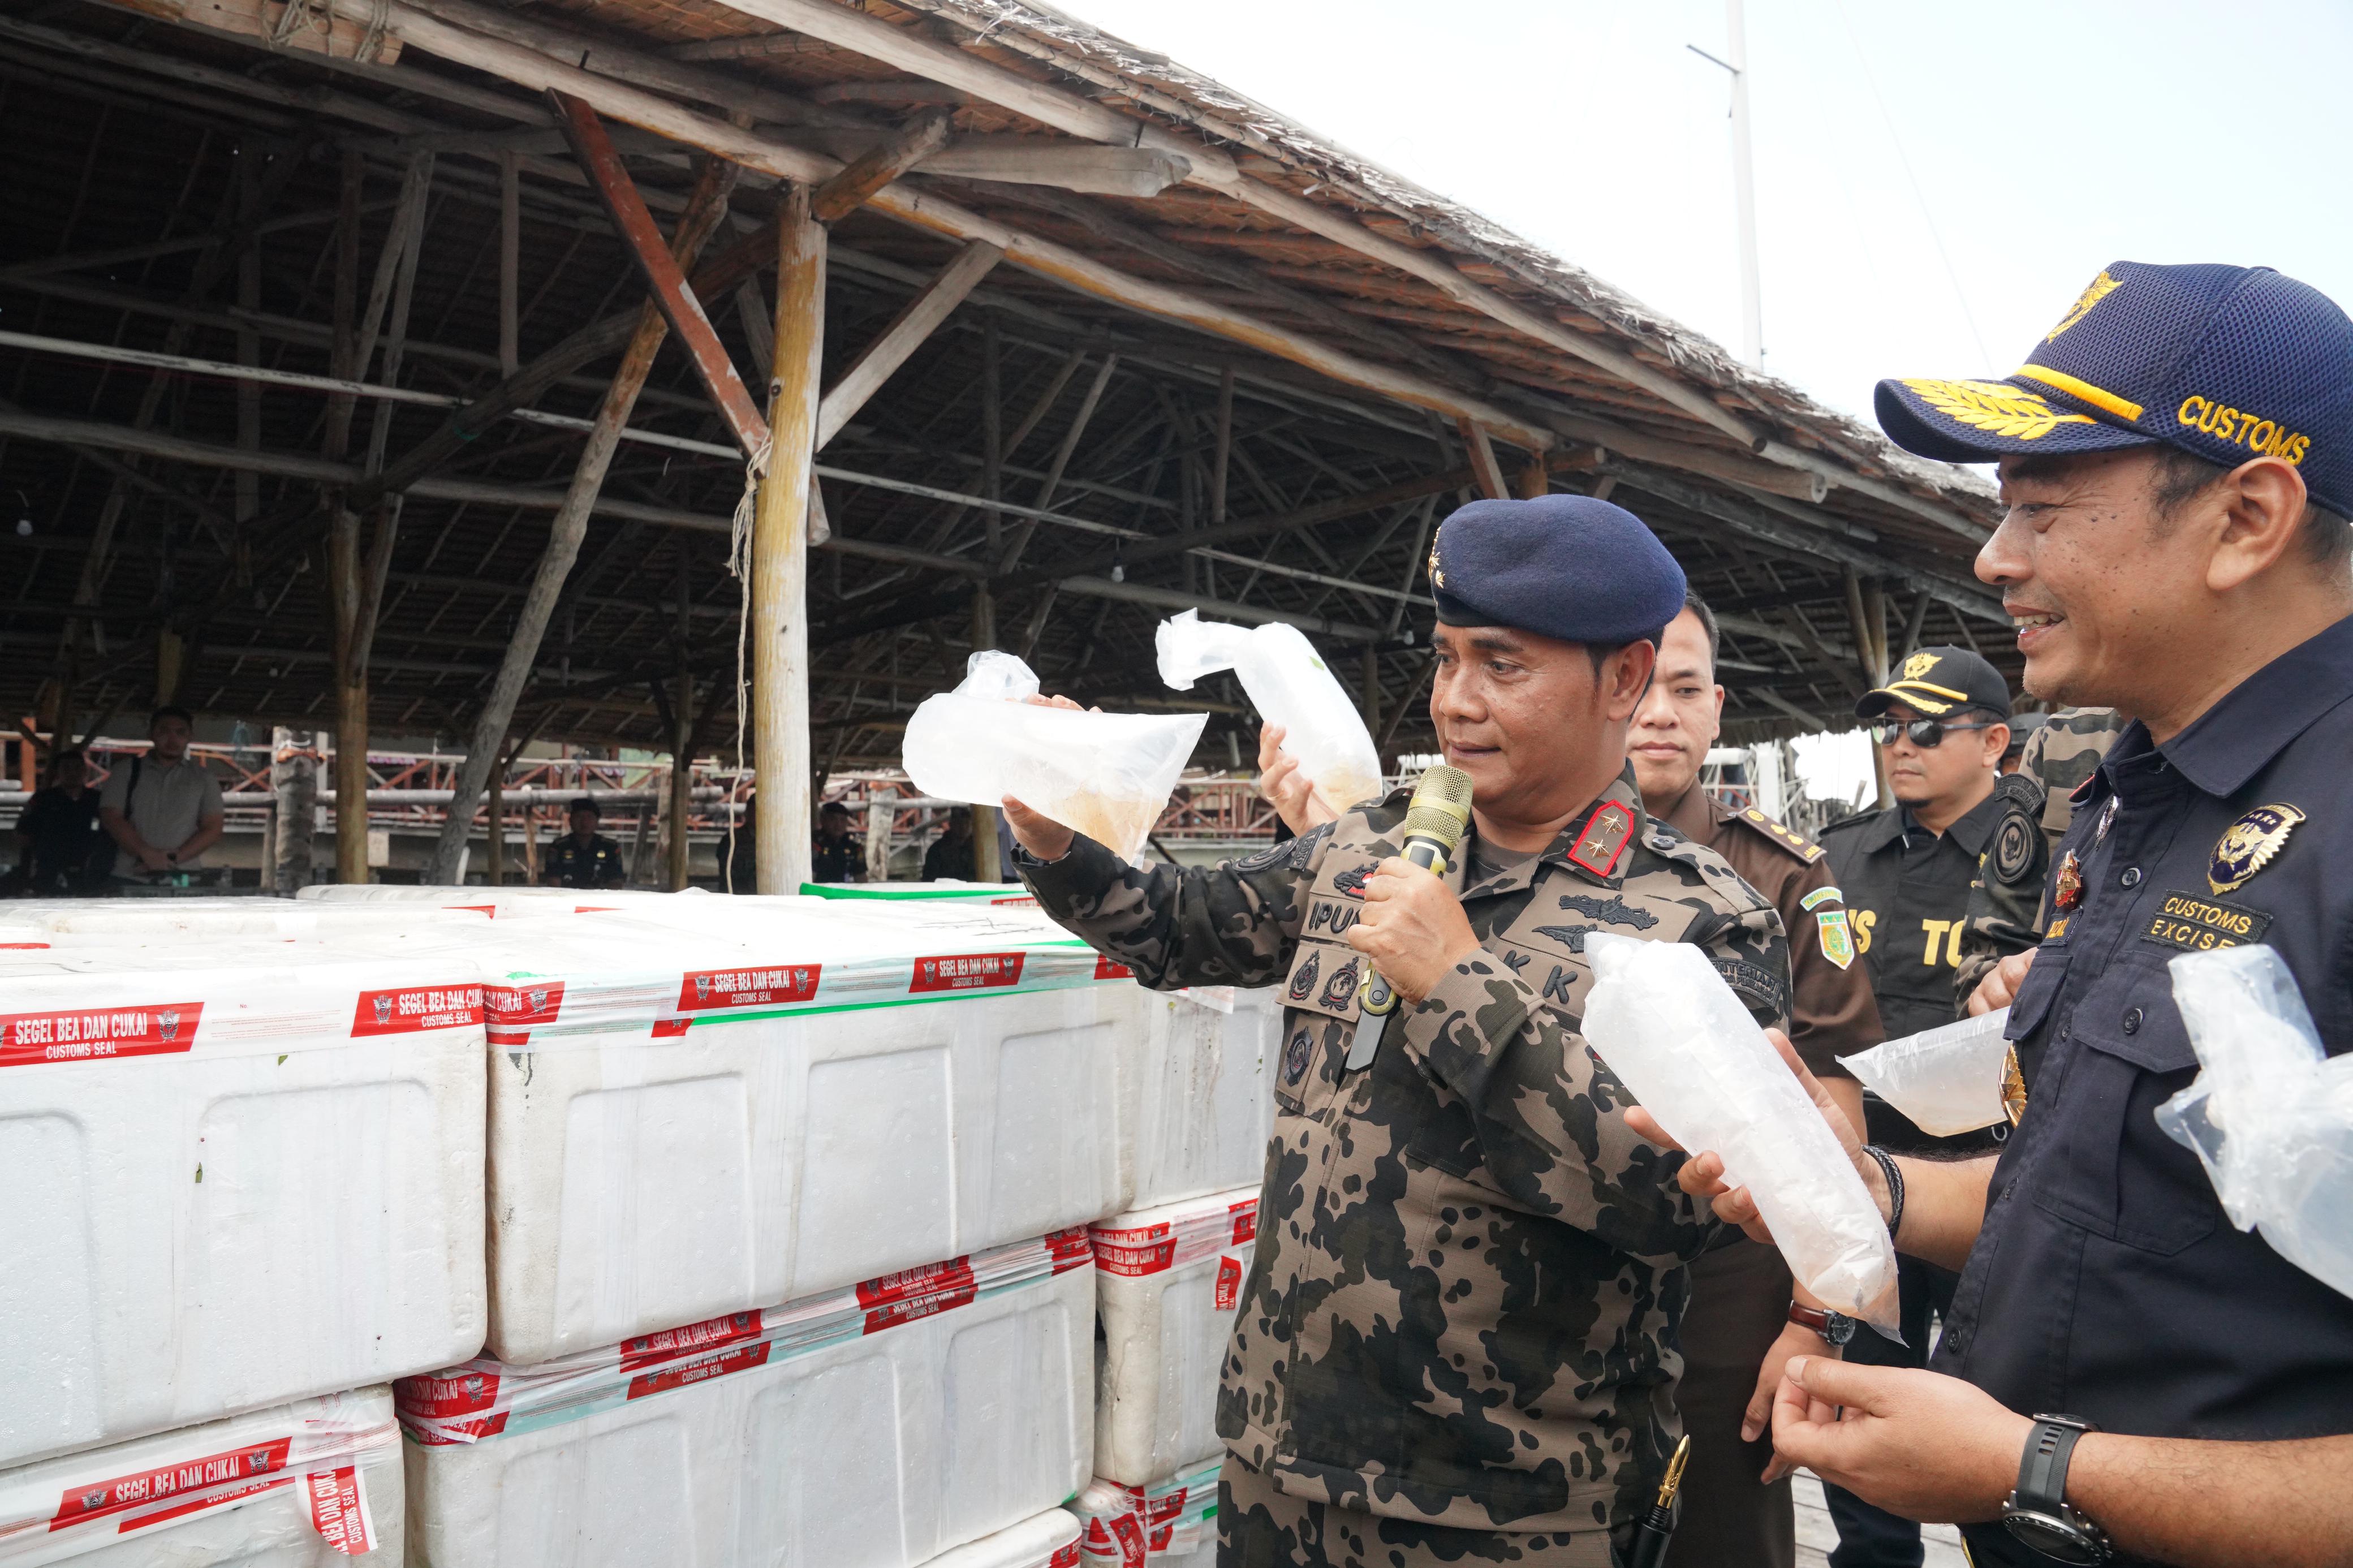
[(1550, 1118), (2005, 913), (1230, 924)]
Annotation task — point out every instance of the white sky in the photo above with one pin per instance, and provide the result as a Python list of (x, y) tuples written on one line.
[(2030, 141)]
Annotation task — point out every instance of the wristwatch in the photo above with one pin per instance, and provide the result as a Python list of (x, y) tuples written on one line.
[(2037, 1512), (1835, 1327)]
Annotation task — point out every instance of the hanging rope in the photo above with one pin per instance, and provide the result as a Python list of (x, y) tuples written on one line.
[(739, 566)]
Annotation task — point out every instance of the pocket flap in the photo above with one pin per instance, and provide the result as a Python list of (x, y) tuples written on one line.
[(2036, 993)]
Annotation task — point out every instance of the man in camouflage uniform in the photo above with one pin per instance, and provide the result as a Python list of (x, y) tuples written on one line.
[(1456, 1342), (2006, 914)]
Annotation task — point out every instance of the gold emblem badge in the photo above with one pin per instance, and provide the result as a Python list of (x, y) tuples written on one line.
[(1995, 407), (1437, 577), (2250, 845), (2013, 1087), (1918, 665), (2099, 289)]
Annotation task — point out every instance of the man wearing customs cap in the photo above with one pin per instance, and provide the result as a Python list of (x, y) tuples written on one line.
[(2125, 1375), (585, 857), (1457, 1340)]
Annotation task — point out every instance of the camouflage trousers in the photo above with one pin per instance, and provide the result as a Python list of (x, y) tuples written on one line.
[(1258, 1527)]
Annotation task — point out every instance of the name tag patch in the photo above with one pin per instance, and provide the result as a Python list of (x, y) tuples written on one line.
[(1330, 917), (2195, 922)]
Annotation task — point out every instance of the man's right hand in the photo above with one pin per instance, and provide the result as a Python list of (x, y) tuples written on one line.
[(154, 861), (1999, 989), (1703, 1175)]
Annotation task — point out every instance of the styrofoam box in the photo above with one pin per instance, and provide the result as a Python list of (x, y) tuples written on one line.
[(1050, 1539), (1171, 1524), (257, 1490), (1205, 1091), (1167, 1281), (238, 1175), (878, 1452), (671, 1141)]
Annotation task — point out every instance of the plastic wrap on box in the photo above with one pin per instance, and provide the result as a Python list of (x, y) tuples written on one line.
[(1947, 1081), (729, 1107), (238, 1174), (1009, 895), (873, 1427), (1170, 1525), (2270, 1114), (296, 1486), (1667, 1025), (506, 902), (1050, 1539), (1167, 1283), (1204, 1090)]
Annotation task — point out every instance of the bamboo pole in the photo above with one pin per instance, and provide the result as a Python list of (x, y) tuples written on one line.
[(780, 555)]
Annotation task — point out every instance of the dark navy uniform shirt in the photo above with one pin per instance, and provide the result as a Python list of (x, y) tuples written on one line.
[(1907, 898), (2107, 1282), (597, 864)]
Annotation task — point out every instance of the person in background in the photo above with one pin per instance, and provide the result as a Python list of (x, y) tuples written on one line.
[(59, 827), (836, 855), (950, 858), (2009, 916), (1741, 1328), (162, 810), (2024, 728), (1456, 1344), (1942, 726), (585, 857)]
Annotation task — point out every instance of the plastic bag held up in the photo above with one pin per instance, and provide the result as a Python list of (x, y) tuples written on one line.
[(2270, 1113), (1106, 775), (1948, 1079), (1290, 685), (1666, 1023)]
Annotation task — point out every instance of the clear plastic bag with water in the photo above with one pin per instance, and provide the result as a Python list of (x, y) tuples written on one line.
[(1107, 775), (1667, 1025), (2270, 1114), (1948, 1079), (1290, 685)]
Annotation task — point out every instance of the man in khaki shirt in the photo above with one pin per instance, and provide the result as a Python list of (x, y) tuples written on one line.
[(162, 810)]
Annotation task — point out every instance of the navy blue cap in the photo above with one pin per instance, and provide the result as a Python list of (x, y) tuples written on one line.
[(1569, 567), (2225, 362)]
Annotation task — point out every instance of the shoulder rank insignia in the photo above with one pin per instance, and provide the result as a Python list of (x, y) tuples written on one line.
[(1602, 838), (2250, 845), (1803, 848), (2067, 889), (1838, 937)]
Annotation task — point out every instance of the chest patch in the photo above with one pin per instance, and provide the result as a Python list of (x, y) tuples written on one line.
[(2195, 923), (1351, 884), (1341, 988), (1294, 1057), (1330, 917), (2012, 854), (1611, 912), (1570, 937), (1303, 974), (1324, 979)]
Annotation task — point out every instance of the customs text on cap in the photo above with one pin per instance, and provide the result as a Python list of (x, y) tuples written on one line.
[(1569, 567), (2225, 362), (1936, 681)]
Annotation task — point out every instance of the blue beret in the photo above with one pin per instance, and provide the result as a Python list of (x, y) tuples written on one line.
[(1569, 567)]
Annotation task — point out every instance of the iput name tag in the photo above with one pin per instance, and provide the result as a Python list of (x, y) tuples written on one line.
[(2198, 922)]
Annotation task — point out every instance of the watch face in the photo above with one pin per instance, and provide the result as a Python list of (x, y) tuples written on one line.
[(2054, 1538)]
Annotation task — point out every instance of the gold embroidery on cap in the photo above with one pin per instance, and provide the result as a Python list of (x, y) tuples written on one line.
[(1995, 408), (2099, 289)]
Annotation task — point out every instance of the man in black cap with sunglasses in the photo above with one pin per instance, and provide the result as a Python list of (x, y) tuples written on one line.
[(1942, 726)]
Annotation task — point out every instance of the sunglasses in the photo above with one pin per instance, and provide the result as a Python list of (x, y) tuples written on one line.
[(1926, 734)]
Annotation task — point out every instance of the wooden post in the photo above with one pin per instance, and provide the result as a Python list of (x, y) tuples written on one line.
[(531, 846), (984, 817), (878, 839), (1481, 450), (1535, 480), (494, 857), (294, 783), (782, 826)]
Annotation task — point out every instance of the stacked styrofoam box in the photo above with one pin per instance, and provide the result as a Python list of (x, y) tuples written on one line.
[(1205, 1091), (1004, 894), (871, 1427), (1047, 1540), (238, 1174), (300, 1486), (1167, 1281), (1169, 1524), (746, 1102)]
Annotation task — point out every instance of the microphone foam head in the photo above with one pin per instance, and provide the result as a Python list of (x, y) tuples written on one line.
[(1440, 808)]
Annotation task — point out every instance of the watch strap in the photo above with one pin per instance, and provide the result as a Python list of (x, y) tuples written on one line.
[(1836, 1328), (2042, 1469)]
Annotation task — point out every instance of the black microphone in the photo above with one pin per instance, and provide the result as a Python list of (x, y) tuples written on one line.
[(1434, 823)]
